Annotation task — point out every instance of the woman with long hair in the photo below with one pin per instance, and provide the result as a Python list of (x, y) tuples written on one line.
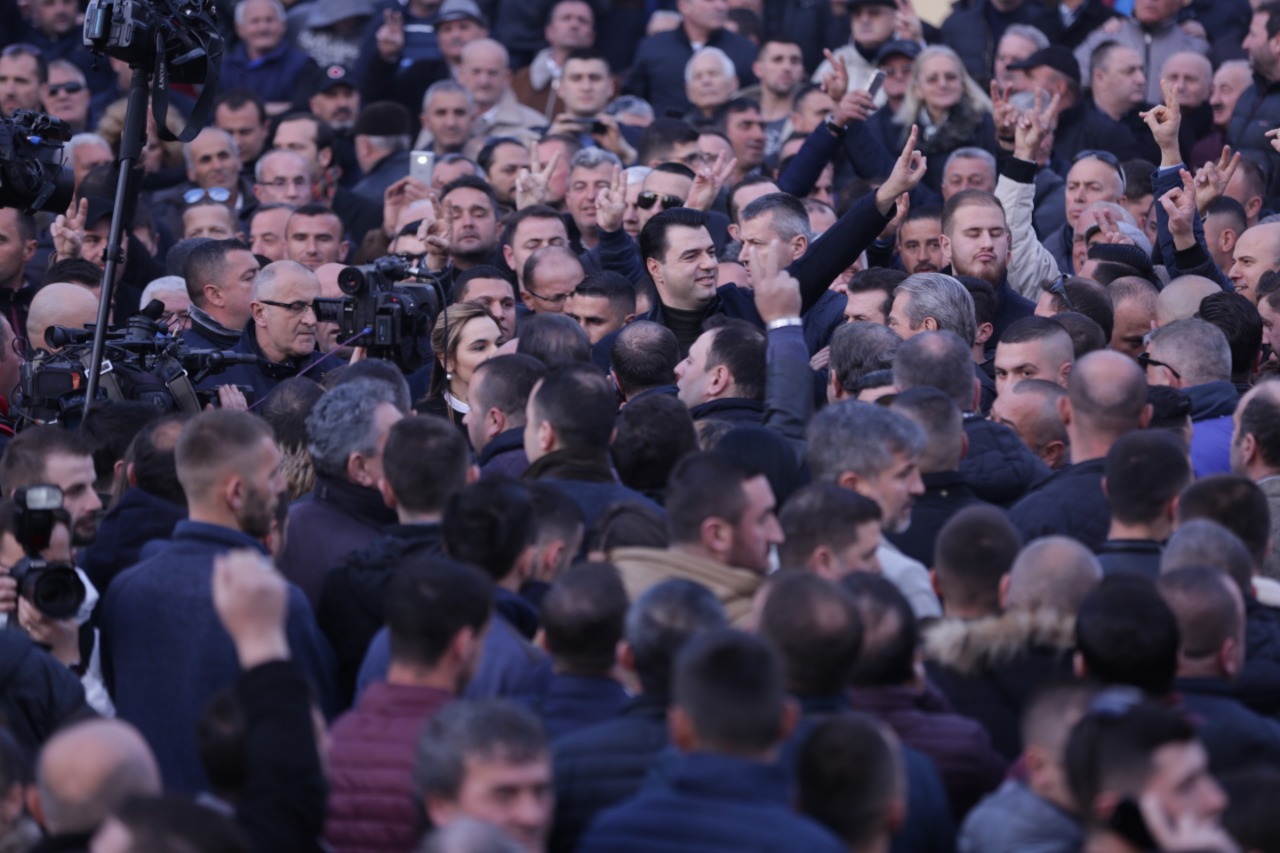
[(464, 337)]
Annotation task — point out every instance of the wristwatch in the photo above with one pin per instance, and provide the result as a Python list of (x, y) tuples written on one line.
[(834, 127)]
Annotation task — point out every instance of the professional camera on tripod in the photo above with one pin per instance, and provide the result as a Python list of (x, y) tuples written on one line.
[(392, 321), (32, 176), (142, 363)]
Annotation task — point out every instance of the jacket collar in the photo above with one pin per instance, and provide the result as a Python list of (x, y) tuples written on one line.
[(581, 465), (207, 327), (503, 442), (736, 405), (951, 481), (724, 776), (286, 369), (1212, 399), (225, 538), (361, 502)]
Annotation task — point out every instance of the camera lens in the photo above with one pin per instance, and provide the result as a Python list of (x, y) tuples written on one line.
[(352, 281), (57, 592)]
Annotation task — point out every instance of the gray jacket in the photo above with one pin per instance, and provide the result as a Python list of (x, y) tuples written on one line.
[(1013, 818)]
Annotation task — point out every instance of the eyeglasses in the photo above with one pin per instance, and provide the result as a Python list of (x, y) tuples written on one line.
[(71, 87), (218, 194), (1145, 360), (1106, 157), (285, 183), (293, 308), (1059, 289), (648, 199), (558, 299)]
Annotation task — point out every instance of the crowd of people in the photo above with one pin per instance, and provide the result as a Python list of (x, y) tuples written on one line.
[(837, 432)]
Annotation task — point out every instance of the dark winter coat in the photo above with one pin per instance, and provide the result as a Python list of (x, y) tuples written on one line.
[(1070, 503)]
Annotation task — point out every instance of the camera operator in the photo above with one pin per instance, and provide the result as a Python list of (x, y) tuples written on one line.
[(281, 332)]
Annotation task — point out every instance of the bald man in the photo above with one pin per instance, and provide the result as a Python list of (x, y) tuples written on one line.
[(1180, 299), (85, 773), (1053, 573), (60, 304), (1257, 252), (1106, 398)]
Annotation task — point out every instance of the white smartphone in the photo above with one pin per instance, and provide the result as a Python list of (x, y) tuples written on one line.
[(420, 165)]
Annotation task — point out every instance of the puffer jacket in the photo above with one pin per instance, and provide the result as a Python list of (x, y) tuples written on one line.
[(999, 467), (371, 762), (989, 668)]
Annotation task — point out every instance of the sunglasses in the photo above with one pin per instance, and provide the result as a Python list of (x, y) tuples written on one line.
[(1059, 289), (71, 88), (1145, 360), (648, 199), (218, 194), (1106, 157)]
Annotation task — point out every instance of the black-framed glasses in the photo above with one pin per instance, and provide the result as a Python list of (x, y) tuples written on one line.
[(649, 198), (1059, 289), (71, 87), (218, 194), (294, 308), (558, 299), (1106, 157), (1145, 360)]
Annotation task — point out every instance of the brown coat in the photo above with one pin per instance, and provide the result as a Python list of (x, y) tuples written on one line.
[(642, 568)]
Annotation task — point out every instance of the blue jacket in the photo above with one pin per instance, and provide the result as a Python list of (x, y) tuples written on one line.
[(710, 803), (1070, 503), (510, 667), (576, 702), (136, 519), (1192, 261), (165, 653), (504, 456), (600, 767), (999, 467), (265, 375), (1234, 736), (274, 77), (1014, 818), (1212, 405)]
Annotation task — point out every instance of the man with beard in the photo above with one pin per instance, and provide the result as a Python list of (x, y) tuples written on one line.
[(437, 614), (975, 241), (920, 240), (473, 209), (1258, 107), (165, 653), (48, 454)]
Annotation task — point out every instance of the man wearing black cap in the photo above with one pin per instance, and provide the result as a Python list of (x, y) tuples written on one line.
[(1081, 125), (382, 138), (336, 100), (974, 32)]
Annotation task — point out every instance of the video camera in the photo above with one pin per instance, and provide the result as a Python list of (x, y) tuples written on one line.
[(54, 588), (392, 321), (143, 363), (32, 176)]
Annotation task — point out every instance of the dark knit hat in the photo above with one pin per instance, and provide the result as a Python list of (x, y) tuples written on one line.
[(384, 118)]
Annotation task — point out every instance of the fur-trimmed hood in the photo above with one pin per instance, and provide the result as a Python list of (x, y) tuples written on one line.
[(971, 645)]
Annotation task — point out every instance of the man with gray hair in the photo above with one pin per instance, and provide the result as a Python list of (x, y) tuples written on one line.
[(263, 61), (590, 171), (85, 152), (856, 350), (876, 452), (602, 766), (930, 301), (346, 433), (998, 467), (448, 113), (213, 172), (1195, 357), (969, 168), (490, 761), (485, 70)]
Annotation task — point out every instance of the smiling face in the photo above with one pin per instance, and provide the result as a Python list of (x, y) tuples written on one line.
[(259, 26), (687, 275), (1228, 82), (213, 163), (941, 83), (1257, 252)]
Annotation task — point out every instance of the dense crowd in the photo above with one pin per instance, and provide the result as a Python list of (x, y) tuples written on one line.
[(812, 429)]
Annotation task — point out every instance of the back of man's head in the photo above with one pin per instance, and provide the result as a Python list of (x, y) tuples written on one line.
[(940, 297), (1127, 635), (816, 627), (974, 550), (1235, 502), (1204, 542), (849, 778), (89, 770), (111, 425), (287, 407), (1209, 612), (213, 445), (27, 455), (943, 426), (644, 355), (1145, 470), (729, 691), (1260, 418), (937, 360), (176, 824), (659, 624), (489, 525), (1086, 335), (653, 434), (1197, 349), (425, 462), (1048, 718), (1112, 749), (429, 601), (582, 617), (822, 515), (376, 370), (861, 348), (705, 485), (741, 348), (1238, 318), (1108, 394), (575, 400), (150, 459), (508, 381), (346, 422), (1250, 817), (553, 339), (1054, 573), (861, 438), (889, 632)]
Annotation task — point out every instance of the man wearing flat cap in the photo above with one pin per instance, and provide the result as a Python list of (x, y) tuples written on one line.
[(382, 139)]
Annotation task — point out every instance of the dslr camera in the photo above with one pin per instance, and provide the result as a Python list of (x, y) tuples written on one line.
[(32, 176), (54, 588)]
